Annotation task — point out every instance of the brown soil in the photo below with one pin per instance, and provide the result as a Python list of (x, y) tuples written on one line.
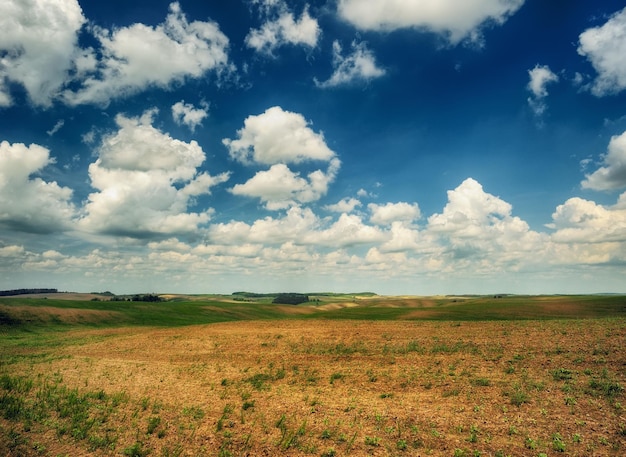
[(51, 314), (347, 388)]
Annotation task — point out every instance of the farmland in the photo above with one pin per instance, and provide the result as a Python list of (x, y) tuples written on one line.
[(354, 374)]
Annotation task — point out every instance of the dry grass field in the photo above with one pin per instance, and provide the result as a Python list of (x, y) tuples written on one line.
[(317, 387)]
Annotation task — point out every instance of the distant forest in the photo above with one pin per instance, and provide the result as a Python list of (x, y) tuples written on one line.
[(4, 293)]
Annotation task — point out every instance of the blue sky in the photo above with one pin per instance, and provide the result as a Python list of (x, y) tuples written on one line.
[(400, 147)]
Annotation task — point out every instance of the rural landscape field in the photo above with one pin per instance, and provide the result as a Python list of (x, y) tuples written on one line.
[(341, 374)]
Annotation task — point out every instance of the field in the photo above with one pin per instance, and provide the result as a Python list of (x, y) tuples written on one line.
[(341, 375)]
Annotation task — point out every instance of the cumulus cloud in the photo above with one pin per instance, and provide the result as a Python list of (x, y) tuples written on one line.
[(605, 47), (186, 114), (584, 221), (540, 77), (393, 212), (279, 187), (38, 45), (296, 223), (31, 204), (360, 65), (277, 136), (281, 28), (474, 224), (345, 205), (612, 175), (145, 181), (140, 56), (456, 20)]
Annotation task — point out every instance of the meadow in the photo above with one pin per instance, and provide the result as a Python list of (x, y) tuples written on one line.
[(349, 374)]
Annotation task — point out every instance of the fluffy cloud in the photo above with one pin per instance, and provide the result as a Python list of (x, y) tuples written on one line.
[(278, 136), (393, 212), (38, 45), (31, 204), (186, 114), (584, 221), (145, 180), (283, 29), (456, 20), (613, 174), (605, 47), (358, 66), (140, 56), (475, 224), (279, 187), (293, 226), (345, 205), (540, 77)]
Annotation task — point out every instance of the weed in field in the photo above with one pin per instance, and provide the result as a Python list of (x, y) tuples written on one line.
[(531, 444), (562, 374), (194, 412), (473, 438), (372, 441), (518, 395), (481, 382), (557, 443), (335, 376), (136, 450), (402, 445), (153, 423), (371, 376)]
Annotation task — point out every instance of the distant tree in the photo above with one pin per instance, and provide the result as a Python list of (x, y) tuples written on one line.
[(290, 299)]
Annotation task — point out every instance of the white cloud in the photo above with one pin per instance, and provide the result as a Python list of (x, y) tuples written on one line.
[(358, 66), (280, 188), (141, 56), (144, 181), (345, 205), (605, 47), (37, 44), (475, 224), (56, 127), (540, 77), (278, 136), (584, 221), (284, 29), (456, 20), (186, 114), (31, 204), (613, 174), (393, 212), (293, 226), (349, 230)]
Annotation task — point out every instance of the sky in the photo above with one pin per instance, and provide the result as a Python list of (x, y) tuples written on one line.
[(394, 146)]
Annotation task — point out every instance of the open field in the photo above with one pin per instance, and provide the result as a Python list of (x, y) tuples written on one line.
[(345, 375)]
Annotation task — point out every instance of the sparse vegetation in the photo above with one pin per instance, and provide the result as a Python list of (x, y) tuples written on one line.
[(354, 383)]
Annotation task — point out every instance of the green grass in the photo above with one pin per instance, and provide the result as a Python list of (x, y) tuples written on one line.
[(177, 313)]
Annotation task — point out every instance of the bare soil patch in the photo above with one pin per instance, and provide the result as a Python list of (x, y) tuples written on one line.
[(54, 314), (337, 388)]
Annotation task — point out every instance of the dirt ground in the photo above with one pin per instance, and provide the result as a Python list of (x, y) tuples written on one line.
[(334, 388)]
